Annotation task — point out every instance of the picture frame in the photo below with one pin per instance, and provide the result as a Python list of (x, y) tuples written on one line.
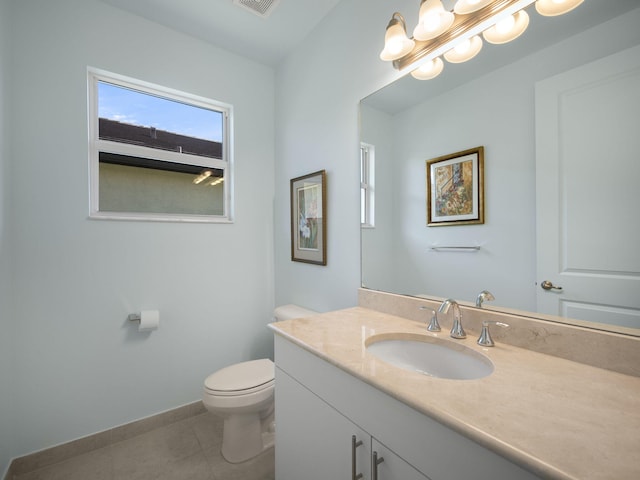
[(455, 188), (309, 218)]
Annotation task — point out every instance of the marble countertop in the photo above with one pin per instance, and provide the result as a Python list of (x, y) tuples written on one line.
[(558, 418)]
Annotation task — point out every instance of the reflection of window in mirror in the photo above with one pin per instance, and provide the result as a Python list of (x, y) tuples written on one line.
[(367, 183), (157, 154)]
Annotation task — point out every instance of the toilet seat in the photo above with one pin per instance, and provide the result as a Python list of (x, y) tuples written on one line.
[(236, 393), (242, 378)]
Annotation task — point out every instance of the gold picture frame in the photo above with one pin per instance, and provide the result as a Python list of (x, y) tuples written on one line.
[(455, 188), (309, 218)]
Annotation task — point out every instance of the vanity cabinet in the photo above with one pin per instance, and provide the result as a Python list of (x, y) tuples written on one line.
[(316, 442), (320, 407)]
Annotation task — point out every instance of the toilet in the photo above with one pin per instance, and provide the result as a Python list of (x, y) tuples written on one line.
[(242, 394)]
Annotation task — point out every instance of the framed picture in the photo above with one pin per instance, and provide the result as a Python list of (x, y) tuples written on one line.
[(308, 219), (455, 188)]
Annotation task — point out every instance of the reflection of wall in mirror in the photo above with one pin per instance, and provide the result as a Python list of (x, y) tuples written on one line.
[(496, 110)]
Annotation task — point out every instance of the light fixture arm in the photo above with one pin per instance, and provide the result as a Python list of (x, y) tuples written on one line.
[(396, 19)]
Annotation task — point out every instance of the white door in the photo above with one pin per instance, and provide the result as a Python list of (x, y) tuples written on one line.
[(588, 191)]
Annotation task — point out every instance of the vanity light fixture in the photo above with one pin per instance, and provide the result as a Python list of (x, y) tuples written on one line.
[(456, 34)]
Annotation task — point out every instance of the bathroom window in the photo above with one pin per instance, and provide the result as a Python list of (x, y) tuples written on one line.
[(367, 192), (156, 153)]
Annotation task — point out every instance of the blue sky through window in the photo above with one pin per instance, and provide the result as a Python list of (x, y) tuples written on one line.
[(138, 108)]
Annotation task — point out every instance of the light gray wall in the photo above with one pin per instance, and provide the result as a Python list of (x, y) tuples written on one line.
[(318, 89), (6, 317), (80, 366)]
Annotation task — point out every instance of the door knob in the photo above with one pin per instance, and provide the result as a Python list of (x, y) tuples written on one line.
[(547, 285)]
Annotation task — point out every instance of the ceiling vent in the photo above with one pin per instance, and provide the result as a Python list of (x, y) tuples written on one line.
[(262, 8)]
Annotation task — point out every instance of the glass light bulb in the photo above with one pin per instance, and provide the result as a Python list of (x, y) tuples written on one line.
[(431, 22), (552, 8), (429, 70), (465, 7), (426, 68), (462, 47), (506, 24), (395, 46)]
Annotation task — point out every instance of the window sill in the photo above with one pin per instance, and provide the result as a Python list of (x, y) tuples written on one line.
[(150, 217)]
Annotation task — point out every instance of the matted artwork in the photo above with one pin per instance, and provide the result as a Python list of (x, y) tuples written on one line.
[(455, 188), (308, 219)]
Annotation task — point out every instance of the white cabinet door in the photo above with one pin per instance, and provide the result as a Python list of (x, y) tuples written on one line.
[(587, 177), (314, 441), (391, 466)]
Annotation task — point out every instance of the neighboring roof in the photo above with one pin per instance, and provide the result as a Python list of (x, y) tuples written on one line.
[(161, 139)]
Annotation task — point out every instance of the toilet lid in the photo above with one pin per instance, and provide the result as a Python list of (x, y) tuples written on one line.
[(241, 376)]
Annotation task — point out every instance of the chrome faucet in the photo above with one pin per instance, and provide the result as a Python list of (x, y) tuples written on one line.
[(456, 331), (483, 296)]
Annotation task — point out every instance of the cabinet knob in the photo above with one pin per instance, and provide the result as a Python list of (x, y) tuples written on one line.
[(354, 444), (375, 461)]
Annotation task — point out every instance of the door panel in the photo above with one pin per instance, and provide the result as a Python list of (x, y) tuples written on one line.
[(391, 466), (587, 183), (313, 439)]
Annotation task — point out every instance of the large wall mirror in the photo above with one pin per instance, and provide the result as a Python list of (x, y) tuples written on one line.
[(512, 100)]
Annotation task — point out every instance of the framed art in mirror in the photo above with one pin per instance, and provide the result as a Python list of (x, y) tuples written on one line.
[(308, 218), (455, 188)]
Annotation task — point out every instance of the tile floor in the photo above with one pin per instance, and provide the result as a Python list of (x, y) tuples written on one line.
[(184, 450)]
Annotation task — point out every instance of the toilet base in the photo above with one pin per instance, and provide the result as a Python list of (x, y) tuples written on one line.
[(243, 437)]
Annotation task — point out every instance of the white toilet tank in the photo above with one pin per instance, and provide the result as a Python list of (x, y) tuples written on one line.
[(288, 312)]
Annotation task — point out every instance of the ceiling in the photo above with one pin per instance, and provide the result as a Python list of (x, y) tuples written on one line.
[(268, 40), (229, 26)]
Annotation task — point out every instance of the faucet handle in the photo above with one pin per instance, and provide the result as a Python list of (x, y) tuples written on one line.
[(433, 326), (485, 337)]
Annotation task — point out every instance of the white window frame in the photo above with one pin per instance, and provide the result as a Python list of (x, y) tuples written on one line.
[(97, 145), (367, 185)]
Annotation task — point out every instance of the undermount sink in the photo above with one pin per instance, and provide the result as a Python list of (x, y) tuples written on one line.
[(430, 356)]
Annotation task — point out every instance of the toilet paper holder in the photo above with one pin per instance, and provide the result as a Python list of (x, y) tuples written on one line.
[(149, 320)]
